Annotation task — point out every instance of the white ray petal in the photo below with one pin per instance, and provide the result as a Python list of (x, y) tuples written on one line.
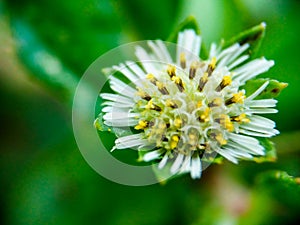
[(238, 61), (120, 115), (257, 134), (163, 162), (164, 50), (134, 67), (227, 155), (121, 122), (196, 169), (121, 87), (177, 163), (152, 155), (261, 111), (262, 103), (116, 98)]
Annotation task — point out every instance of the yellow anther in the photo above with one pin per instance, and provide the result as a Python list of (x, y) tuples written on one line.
[(141, 125), (204, 78), (226, 81), (226, 122), (174, 141), (159, 85), (177, 122), (171, 70), (219, 137), (238, 97), (215, 102), (213, 62), (150, 76), (199, 104), (241, 118), (204, 117), (182, 60), (149, 105), (182, 56), (177, 80), (170, 103)]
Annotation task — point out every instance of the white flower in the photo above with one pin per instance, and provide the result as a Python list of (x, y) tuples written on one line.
[(187, 110)]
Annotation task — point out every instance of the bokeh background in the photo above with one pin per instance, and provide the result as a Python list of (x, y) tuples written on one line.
[(45, 47)]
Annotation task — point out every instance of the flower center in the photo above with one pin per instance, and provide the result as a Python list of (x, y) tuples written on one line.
[(189, 109)]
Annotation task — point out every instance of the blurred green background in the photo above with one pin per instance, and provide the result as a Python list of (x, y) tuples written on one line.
[(45, 46)]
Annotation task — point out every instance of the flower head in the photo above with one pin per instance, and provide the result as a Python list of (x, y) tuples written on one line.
[(187, 110)]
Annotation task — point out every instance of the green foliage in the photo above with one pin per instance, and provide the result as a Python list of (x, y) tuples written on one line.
[(270, 151), (273, 89), (252, 36)]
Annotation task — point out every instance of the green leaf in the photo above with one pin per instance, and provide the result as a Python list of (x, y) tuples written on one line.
[(280, 180), (270, 151), (253, 36), (43, 64), (99, 124), (76, 31), (149, 19), (271, 91)]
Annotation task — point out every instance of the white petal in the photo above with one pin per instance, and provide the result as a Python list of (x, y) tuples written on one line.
[(227, 155), (257, 134), (261, 111), (119, 115), (110, 109), (116, 98), (252, 69), (189, 43), (164, 50), (186, 165), (259, 120), (238, 61), (196, 169), (151, 155), (262, 103), (121, 122), (136, 69), (242, 138), (163, 162), (176, 165), (121, 87), (254, 149), (118, 104), (146, 60), (237, 152)]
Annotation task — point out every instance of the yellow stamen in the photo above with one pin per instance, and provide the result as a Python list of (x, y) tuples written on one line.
[(219, 137), (215, 102), (176, 80), (150, 76), (226, 81), (213, 62), (238, 97), (171, 70), (199, 104), (141, 125), (174, 141), (205, 115), (170, 103), (241, 118), (177, 122), (182, 60), (226, 122)]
